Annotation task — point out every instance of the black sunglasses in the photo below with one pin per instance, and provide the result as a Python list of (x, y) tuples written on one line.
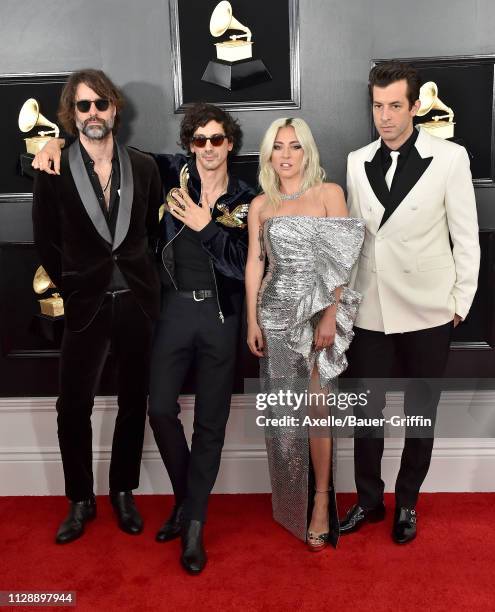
[(200, 140), (101, 104)]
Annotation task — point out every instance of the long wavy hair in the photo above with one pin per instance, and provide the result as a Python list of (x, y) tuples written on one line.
[(313, 173)]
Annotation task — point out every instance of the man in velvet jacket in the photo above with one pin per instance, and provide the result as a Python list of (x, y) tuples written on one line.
[(92, 229), (202, 255)]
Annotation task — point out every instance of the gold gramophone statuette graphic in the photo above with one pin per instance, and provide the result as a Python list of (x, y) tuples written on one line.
[(183, 180), (29, 118), (234, 49), (52, 306), (234, 67), (428, 96)]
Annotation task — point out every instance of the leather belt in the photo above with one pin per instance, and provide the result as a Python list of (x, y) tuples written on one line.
[(198, 295)]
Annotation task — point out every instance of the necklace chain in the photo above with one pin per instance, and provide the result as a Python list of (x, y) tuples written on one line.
[(291, 196), (109, 179), (212, 206)]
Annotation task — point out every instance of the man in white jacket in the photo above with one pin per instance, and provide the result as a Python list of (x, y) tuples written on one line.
[(416, 195)]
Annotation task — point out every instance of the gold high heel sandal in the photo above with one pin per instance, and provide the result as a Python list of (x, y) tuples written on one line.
[(318, 541)]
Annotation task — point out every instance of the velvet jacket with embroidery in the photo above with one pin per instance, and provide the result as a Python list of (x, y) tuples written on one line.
[(225, 238)]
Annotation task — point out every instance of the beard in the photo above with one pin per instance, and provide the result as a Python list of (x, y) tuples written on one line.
[(95, 131)]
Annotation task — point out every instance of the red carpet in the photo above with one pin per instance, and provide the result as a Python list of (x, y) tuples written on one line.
[(254, 564)]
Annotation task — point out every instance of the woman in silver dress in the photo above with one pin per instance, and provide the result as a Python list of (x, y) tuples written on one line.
[(300, 317)]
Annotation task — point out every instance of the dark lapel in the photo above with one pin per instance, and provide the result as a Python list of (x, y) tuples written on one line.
[(410, 174), (376, 178), (86, 191), (126, 196)]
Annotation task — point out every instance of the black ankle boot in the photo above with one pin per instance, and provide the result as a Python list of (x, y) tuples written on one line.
[(73, 525), (171, 529), (193, 557), (128, 516)]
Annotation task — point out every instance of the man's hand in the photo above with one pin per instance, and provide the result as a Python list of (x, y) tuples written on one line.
[(457, 319), (51, 152), (194, 216)]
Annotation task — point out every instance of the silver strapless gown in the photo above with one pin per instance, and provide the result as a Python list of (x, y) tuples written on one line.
[(309, 257)]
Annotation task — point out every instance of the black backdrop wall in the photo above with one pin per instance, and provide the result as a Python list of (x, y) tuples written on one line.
[(131, 41)]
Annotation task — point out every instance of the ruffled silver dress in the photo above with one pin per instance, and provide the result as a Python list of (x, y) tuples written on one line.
[(308, 258)]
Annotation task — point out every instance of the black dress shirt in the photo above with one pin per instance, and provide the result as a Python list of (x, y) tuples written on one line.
[(111, 213), (403, 150)]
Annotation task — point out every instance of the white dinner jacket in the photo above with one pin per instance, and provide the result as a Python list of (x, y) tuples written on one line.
[(407, 273)]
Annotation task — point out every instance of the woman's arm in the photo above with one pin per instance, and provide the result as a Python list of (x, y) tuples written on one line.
[(335, 206), (255, 267)]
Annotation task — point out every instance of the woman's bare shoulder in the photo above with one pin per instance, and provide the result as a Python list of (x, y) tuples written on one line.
[(258, 202), (332, 189), (334, 200)]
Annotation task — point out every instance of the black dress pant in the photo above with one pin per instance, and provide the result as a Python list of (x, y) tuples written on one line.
[(187, 331), (121, 325), (413, 355)]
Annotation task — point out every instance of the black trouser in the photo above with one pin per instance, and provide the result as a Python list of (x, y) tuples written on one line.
[(122, 326), (190, 330), (420, 354)]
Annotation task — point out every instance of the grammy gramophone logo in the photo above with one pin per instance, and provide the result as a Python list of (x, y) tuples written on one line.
[(30, 118), (234, 67), (437, 126)]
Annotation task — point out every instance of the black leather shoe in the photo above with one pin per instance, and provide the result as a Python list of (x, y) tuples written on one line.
[(128, 516), (357, 516), (193, 556), (405, 522), (171, 529), (73, 525)]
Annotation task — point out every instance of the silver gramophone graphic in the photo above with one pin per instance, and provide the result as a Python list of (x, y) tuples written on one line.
[(428, 96), (234, 67), (29, 118)]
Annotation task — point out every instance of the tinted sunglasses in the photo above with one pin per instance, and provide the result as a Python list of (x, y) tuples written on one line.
[(101, 104), (200, 141)]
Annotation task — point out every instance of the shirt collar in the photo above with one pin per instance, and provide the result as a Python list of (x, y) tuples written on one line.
[(405, 148), (87, 158)]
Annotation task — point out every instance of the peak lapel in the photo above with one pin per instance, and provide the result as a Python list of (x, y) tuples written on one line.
[(126, 196), (376, 179), (86, 191), (416, 164)]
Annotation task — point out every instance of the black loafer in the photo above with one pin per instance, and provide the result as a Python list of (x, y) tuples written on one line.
[(73, 525), (193, 556), (171, 529), (357, 516), (128, 516), (405, 525)]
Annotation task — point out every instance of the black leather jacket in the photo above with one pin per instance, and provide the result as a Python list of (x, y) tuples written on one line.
[(225, 238)]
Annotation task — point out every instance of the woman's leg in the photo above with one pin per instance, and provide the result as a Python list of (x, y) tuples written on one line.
[(320, 443)]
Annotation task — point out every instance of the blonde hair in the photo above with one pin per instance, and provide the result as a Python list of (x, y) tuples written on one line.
[(313, 173)]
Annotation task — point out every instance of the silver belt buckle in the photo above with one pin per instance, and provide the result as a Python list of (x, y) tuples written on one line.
[(197, 299)]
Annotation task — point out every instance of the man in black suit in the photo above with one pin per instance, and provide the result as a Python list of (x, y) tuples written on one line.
[(92, 229)]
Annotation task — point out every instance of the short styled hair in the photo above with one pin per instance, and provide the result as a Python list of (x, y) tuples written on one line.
[(100, 83), (387, 73), (199, 114)]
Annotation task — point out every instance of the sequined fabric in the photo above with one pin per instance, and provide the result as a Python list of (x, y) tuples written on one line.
[(309, 257)]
